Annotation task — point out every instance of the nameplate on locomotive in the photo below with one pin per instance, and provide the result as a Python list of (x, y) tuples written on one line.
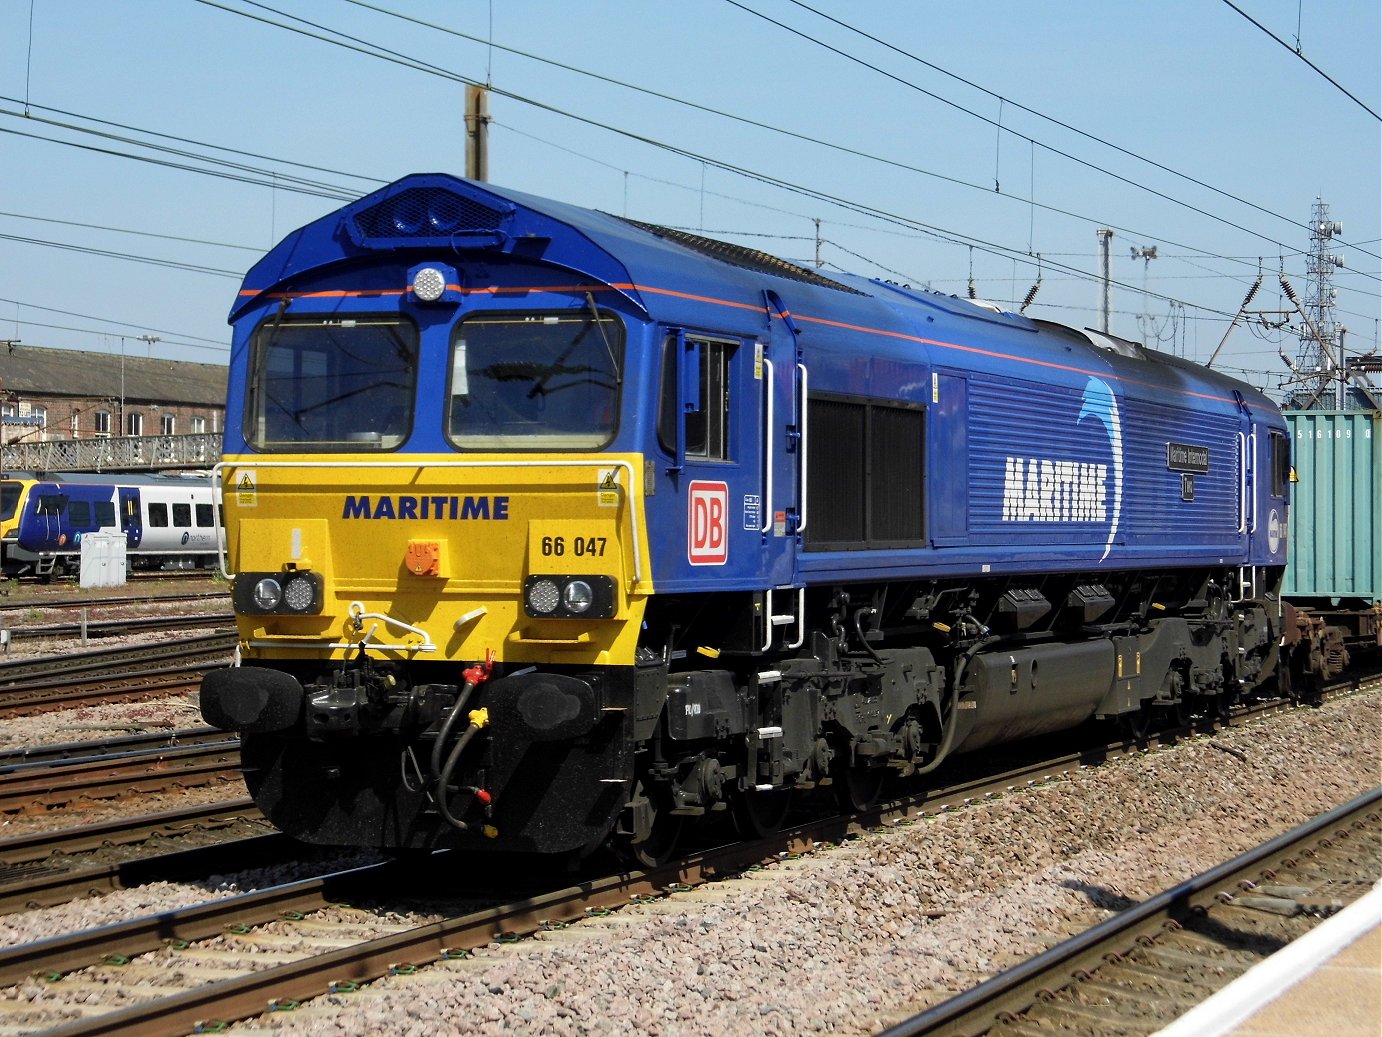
[(1184, 457)]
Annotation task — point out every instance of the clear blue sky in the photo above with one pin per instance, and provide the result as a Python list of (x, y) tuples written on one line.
[(900, 171)]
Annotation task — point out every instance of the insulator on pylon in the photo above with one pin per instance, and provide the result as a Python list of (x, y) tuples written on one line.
[(1031, 294), (1290, 292), (1252, 293), (972, 293)]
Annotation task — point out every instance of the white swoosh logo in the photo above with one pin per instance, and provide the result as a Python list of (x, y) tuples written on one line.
[(1099, 403)]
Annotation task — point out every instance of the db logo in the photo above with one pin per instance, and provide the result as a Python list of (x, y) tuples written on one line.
[(707, 534)]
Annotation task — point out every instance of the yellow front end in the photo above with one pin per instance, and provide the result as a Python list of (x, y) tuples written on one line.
[(429, 558)]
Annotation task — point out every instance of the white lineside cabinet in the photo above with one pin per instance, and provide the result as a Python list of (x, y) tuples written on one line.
[(103, 559)]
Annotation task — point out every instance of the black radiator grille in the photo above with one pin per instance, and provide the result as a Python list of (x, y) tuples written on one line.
[(427, 212), (866, 469)]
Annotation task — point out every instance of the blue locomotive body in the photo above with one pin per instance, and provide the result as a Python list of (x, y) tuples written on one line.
[(747, 527)]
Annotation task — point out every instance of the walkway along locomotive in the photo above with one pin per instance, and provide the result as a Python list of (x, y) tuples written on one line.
[(552, 528)]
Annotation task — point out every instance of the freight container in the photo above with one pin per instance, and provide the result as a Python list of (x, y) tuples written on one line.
[(1335, 530)]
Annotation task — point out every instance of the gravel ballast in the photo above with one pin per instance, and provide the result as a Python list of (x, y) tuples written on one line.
[(849, 939)]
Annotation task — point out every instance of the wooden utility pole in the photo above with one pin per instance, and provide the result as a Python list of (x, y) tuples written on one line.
[(1106, 277), (477, 133)]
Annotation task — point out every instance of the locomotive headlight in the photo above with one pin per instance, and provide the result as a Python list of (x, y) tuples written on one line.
[(543, 597), (577, 597), (291, 591), (268, 593), (299, 593), (429, 283), (550, 596)]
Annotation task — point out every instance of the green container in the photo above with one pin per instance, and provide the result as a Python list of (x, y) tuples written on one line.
[(1335, 547)]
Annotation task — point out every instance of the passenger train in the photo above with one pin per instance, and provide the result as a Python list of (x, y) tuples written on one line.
[(168, 520), (552, 529)]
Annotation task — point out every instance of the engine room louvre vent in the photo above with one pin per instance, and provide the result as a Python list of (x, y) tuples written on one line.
[(738, 255), (427, 212)]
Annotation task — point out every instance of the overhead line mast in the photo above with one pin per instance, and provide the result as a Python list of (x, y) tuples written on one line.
[(1321, 364)]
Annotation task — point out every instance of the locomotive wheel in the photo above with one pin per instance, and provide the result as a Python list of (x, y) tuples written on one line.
[(1221, 706), (860, 788), (1139, 724), (663, 835), (760, 814), (659, 847)]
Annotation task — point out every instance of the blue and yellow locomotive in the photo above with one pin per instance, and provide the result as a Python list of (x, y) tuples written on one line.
[(550, 528)]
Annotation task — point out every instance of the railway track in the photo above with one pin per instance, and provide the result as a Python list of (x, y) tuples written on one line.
[(32, 686), (30, 757), (63, 878), (303, 940), (44, 786), (1150, 964), (59, 602), (43, 869), (14, 673), (121, 627)]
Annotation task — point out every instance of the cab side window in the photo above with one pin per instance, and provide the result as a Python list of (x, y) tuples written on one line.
[(1281, 464), (706, 400)]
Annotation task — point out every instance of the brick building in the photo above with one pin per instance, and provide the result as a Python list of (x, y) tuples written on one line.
[(56, 394)]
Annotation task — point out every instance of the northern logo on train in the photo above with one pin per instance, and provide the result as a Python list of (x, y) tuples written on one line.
[(1082, 486)]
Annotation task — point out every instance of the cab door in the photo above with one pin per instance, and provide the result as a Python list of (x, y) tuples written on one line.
[(731, 420), (131, 521)]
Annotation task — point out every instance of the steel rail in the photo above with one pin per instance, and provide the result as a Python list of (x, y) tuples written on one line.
[(35, 756), (60, 954), (56, 603), (1008, 994), (100, 779), (20, 849), (98, 628), (106, 660), (102, 691), (47, 883)]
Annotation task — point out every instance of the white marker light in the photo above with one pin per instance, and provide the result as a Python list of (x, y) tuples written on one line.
[(428, 284)]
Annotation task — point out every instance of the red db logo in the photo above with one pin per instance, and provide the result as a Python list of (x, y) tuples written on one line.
[(707, 540)]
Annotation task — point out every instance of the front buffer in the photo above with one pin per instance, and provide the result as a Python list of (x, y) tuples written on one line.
[(535, 762)]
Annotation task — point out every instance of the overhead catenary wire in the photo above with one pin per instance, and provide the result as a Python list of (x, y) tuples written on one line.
[(1030, 201), (915, 226), (126, 230), (347, 41), (905, 226), (1030, 111), (1046, 147), (220, 343), (172, 264), (1297, 52)]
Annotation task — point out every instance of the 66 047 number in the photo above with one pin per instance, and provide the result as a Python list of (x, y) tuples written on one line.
[(581, 547)]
